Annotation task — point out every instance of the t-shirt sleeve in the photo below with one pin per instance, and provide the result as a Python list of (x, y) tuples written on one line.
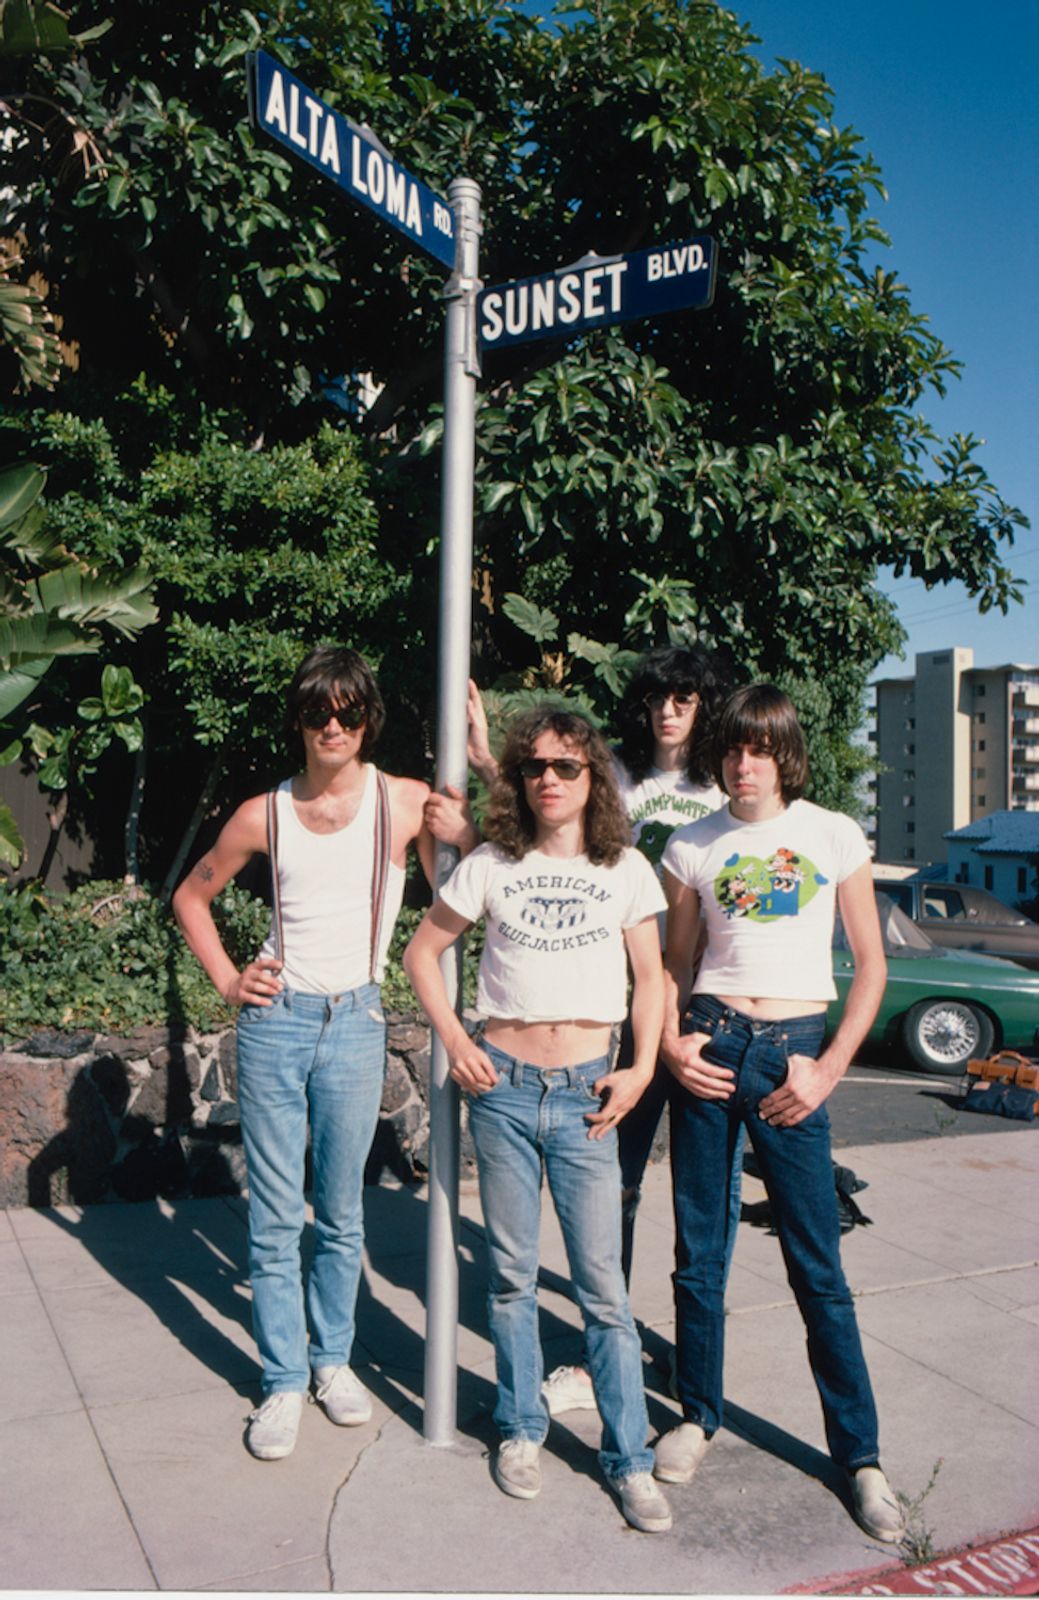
[(679, 857), (465, 891), (646, 897), (852, 848)]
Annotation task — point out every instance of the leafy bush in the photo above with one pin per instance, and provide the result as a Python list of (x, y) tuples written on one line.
[(111, 958)]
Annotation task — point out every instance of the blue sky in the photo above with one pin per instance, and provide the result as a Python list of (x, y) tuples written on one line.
[(944, 96)]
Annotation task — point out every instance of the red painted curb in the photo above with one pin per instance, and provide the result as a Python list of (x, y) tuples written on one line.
[(1007, 1566)]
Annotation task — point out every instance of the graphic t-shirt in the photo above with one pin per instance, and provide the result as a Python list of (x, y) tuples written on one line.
[(768, 892), (554, 948), (658, 804)]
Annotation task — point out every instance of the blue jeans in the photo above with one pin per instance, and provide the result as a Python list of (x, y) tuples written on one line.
[(319, 1058), (533, 1120), (635, 1137), (798, 1173)]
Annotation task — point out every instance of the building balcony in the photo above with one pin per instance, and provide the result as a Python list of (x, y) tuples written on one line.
[(1023, 697), (1025, 782)]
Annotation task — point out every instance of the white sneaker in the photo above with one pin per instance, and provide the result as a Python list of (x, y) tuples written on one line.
[(516, 1468), (568, 1389), (679, 1453), (273, 1426), (876, 1509), (343, 1395), (642, 1503)]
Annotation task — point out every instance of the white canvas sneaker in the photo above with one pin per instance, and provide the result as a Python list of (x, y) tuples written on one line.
[(568, 1389), (343, 1395), (642, 1503), (273, 1426), (876, 1509)]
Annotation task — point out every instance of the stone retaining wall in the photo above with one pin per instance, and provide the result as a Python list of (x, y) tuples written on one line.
[(85, 1118)]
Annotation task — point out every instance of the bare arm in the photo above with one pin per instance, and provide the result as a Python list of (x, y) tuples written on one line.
[(480, 758), (439, 928), (624, 1088), (808, 1083), (449, 820), (408, 798), (240, 839), (682, 1052)]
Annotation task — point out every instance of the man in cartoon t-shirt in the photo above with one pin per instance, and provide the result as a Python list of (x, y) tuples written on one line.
[(746, 1049)]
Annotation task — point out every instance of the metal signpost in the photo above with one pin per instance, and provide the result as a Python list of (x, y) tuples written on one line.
[(595, 292), (355, 160)]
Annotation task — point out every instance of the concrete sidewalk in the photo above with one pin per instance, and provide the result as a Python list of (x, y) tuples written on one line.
[(127, 1375)]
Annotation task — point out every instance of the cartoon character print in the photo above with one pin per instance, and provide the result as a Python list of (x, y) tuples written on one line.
[(765, 890), (652, 840)]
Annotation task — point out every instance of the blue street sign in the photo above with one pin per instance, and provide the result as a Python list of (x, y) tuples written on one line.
[(597, 292), (351, 156)]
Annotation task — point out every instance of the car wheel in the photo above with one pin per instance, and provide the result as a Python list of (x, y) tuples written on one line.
[(943, 1035)]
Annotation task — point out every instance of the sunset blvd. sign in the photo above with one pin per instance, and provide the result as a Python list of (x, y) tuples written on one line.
[(597, 292), (350, 156)]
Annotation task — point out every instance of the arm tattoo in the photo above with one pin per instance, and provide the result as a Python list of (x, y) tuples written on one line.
[(204, 871)]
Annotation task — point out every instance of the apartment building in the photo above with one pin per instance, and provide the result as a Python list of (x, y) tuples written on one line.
[(953, 743)]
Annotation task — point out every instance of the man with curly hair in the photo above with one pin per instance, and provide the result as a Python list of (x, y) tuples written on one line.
[(567, 902)]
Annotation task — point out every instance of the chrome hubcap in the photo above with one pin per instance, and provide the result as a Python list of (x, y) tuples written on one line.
[(949, 1032)]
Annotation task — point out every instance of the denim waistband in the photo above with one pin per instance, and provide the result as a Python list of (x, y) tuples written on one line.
[(808, 1026), (348, 1000), (520, 1071)]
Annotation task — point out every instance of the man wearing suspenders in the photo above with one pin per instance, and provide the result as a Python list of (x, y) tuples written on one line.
[(311, 1034)]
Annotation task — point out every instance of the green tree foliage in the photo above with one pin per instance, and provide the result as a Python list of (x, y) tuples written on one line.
[(254, 553), (741, 474)]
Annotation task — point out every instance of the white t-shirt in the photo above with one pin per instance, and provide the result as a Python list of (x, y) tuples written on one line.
[(768, 892), (554, 948), (658, 804)]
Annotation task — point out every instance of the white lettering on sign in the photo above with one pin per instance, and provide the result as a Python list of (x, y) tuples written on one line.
[(675, 263), (547, 302), (381, 180), (308, 126)]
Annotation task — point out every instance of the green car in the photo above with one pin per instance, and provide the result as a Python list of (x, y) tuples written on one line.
[(943, 1007)]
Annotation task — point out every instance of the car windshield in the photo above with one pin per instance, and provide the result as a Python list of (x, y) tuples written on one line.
[(901, 936)]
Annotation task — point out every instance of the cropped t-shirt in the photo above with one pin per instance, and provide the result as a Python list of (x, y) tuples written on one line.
[(768, 893), (554, 947)]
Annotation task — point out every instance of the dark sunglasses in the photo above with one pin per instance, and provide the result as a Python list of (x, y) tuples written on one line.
[(348, 717), (565, 767), (681, 702)]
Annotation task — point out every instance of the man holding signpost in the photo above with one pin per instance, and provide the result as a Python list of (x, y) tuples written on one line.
[(311, 1033)]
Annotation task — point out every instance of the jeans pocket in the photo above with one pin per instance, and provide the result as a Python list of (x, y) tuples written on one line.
[(376, 1015)]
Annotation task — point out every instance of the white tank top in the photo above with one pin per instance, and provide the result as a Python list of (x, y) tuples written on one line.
[(325, 893)]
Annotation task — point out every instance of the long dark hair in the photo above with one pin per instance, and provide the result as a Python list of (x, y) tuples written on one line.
[(335, 672), (763, 715), (510, 823), (672, 669)]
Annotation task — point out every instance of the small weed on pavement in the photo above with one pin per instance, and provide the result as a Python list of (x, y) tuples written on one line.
[(917, 1544)]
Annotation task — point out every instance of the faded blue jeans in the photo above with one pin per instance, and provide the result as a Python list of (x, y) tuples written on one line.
[(797, 1169), (317, 1058), (533, 1120)]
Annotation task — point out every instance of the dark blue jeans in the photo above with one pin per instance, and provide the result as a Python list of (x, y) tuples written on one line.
[(798, 1173)]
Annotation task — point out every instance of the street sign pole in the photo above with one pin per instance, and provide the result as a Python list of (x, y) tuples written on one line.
[(461, 369)]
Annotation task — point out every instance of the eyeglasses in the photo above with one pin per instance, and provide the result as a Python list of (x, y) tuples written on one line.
[(348, 717), (565, 767), (681, 702)]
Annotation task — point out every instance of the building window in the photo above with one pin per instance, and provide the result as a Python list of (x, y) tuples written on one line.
[(910, 724), (907, 800), (988, 877), (979, 772), (980, 715), (981, 744), (909, 827), (909, 749), (908, 776), (1022, 880), (980, 690), (982, 800)]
